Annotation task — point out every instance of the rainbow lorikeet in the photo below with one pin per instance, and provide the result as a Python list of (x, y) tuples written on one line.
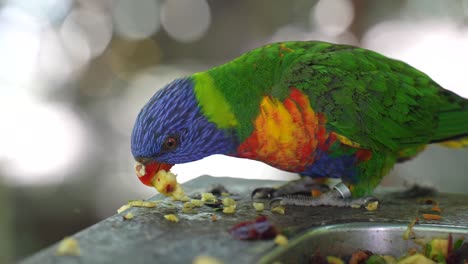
[(319, 109)]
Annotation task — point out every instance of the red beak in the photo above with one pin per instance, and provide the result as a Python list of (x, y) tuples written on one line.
[(146, 172)]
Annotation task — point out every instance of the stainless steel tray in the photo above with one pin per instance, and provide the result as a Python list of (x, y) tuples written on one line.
[(344, 239)]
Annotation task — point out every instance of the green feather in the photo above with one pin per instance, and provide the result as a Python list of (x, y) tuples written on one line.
[(212, 102), (382, 104)]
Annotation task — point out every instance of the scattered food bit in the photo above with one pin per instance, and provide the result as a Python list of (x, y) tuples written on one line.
[(229, 209), (438, 246), (278, 210), (229, 201), (376, 259), (197, 202), (136, 203), (258, 206), (431, 217), (436, 208), (438, 250), (214, 218), (68, 247), (123, 208), (359, 257), (334, 260), (372, 206), (389, 259), (128, 216), (206, 260), (188, 205), (166, 183), (208, 198), (225, 194), (409, 233), (141, 203), (281, 240), (260, 228), (179, 194), (355, 206), (148, 204), (171, 217), (416, 259)]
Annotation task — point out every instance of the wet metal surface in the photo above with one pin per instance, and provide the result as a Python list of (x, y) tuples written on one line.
[(149, 238), (345, 239)]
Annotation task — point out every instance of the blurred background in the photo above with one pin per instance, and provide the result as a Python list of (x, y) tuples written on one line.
[(74, 74)]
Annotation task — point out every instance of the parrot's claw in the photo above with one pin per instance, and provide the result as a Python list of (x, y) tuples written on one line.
[(324, 200), (263, 193), (338, 197), (303, 186)]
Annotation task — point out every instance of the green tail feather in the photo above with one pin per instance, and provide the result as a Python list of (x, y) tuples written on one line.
[(453, 119)]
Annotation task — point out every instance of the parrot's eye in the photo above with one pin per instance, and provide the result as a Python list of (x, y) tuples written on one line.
[(170, 143)]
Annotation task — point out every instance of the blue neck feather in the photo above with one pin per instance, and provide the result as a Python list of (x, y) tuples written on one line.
[(174, 110)]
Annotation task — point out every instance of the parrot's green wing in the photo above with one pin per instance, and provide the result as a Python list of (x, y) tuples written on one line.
[(373, 100)]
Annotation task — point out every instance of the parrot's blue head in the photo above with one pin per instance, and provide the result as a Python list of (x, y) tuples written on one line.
[(171, 129)]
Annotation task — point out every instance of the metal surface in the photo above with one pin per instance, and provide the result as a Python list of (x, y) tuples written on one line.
[(149, 238), (344, 239)]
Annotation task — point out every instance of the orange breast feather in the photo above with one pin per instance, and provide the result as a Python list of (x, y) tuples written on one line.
[(286, 133)]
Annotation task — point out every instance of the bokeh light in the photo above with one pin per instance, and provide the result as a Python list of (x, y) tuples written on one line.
[(431, 51), (186, 20), (95, 26), (19, 47), (41, 143), (47, 11), (136, 19), (332, 17)]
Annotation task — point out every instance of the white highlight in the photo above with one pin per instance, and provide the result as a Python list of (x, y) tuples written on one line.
[(186, 20), (333, 17), (439, 52)]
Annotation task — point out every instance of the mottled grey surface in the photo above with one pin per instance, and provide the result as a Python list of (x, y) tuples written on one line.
[(149, 238)]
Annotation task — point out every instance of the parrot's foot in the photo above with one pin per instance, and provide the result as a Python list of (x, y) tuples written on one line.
[(305, 186), (338, 197)]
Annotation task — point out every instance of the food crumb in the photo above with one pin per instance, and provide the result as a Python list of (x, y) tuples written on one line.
[(68, 247), (141, 203), (359, 256), (197, 202), (372, 206), (208, 197), (229, 209), (258, 206), (436, 208), (188, 205), (281, 240), (206, 260), (278, 210), (171, 217), (431, 217), (123, 208), (128, 216), (214, 218), (334, 260), (228, 201)]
